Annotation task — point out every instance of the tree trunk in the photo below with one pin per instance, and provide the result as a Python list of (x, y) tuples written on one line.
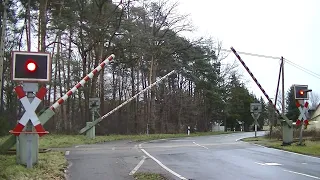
[(68, 109)]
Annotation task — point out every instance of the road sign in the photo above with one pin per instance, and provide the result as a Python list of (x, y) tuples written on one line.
[(301, 92), (255, 108), (29, 111), (31, 66), (255, 116), (94, 103), (303, 110)]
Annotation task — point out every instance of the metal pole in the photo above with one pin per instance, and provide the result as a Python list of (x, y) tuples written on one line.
[(255, 128), (29, 125), (275, 101), (3, 35), (92, 115), (283, 98)]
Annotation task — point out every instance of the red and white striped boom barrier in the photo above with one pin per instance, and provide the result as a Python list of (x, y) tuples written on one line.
[(259, 85), (82, 82)]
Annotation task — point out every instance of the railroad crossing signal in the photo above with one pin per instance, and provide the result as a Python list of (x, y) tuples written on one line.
[(29, 111), (303, 111), (301, 92), (31, 66)]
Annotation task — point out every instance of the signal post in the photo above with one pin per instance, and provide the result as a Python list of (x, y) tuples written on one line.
[(301, 95), (30, 68), (255, 109)]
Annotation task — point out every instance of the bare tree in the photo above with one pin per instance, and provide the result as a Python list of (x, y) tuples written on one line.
[(314, 100)]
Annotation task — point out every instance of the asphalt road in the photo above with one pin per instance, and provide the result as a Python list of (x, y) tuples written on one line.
[(220, 157)]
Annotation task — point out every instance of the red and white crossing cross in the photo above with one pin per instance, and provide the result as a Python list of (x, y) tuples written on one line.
[(30, 111), (303, 111)]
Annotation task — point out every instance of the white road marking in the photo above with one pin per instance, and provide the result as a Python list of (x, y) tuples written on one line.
[(181, 140), (163, 166), (200, 145), (307, 175), (140, 145), (272, 164), (268, 164), (188, 145), (280, 150), (67, 153), (113, 148), (304, 163), (135, 169)]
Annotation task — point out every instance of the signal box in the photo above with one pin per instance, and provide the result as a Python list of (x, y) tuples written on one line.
[(31, 66), (301, 92)]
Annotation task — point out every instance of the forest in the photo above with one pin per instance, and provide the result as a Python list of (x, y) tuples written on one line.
[(146, 38)]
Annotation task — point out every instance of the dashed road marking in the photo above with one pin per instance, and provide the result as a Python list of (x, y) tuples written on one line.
[(135, 169), (200, 145), (268, 164)]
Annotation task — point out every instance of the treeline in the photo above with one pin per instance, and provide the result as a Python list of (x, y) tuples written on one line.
[(145, 37)]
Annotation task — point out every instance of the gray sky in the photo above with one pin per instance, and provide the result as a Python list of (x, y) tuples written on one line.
[(288, 28)]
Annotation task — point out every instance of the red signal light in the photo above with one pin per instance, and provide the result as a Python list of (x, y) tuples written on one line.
[(31, 66), (301, 92)]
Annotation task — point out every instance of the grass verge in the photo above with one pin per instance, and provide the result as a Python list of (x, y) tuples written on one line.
[(50, 166), (59, 141), (148, 176), (309, 148)]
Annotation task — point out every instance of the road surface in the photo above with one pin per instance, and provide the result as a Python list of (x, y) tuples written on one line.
[(197, 158)]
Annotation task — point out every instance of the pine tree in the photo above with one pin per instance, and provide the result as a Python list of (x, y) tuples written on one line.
[(291, 108)]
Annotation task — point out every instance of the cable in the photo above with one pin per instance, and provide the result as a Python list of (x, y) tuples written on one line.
[(304, 70), (273, 57), (296, 65), (250, 54)]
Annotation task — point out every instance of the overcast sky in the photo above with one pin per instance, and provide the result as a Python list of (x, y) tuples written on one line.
[(288, 28)]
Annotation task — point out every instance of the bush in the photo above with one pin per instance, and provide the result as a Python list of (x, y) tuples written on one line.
[(4, 126)]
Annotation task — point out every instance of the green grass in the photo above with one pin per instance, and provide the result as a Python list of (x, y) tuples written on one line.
[(309, 148), (50, 166), (58, 141), (148, 176)]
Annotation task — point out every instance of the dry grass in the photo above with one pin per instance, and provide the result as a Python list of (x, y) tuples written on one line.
[(148, 176)]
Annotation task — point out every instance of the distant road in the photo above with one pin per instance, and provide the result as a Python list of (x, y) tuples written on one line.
[(219, 157)]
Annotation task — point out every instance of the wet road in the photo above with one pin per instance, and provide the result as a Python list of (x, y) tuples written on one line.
[(197, 158)]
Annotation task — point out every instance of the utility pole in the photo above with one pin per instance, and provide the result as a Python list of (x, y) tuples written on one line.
[(3, 35), (283, 98)]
